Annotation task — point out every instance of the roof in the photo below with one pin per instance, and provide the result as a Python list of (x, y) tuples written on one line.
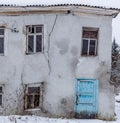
[(103, 3), (9, 9), (52, 5), (91, 6)]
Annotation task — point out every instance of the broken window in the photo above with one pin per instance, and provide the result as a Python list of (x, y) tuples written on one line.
[(89, 41), (33, 96), (34, 38), (1, 40)]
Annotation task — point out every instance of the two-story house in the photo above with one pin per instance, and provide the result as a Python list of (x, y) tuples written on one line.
[(55, 60)]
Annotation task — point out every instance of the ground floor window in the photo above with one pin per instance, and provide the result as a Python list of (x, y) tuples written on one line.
[(1, 95), (33, 96)]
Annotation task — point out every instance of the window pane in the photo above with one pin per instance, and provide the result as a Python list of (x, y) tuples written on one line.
[(33, 90), (30, 43), (1, 45), (1, 31), (36, 100), (85, 47), (90, 34), (0, 89), (31, 29), (30, 101), (0, 99), (92, 47), (39, 29), (39, 43)]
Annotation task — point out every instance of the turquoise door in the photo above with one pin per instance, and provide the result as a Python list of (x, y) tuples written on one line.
[(86, 99)]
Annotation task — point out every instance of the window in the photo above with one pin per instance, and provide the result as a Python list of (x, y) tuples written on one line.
[(33, 96), (34, 38), (1, 95), (89, 41), (1, 40)]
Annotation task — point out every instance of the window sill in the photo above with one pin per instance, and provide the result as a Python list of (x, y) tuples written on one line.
[(33, 109), (34, 53), (88, 55), (2, 54)]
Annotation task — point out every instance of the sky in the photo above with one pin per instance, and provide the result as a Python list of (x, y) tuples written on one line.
[(116, 29), (104, 3)]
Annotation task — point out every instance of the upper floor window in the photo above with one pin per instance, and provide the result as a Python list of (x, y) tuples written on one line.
[(2, 29), (89, 41), (34, 38)]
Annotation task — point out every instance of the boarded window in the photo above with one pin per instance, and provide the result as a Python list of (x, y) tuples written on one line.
[(89, 41), (33, 96), (34, 38)]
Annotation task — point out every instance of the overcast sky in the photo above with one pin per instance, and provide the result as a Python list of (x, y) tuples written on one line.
[(105, 3)]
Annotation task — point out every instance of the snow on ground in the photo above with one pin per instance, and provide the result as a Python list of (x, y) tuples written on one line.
[(36, 119), (117, 107)]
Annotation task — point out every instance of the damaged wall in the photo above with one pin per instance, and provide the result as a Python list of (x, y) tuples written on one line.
[(60, 67)]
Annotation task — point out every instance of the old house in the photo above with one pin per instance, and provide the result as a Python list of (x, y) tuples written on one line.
[(55, 60)]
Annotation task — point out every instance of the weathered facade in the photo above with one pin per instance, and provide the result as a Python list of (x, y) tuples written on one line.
[(46, 50)]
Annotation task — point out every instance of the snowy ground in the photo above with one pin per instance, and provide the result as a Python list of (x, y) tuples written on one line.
[(35, 119)]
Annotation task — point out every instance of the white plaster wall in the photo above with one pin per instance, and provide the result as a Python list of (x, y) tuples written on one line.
[(66, 63)]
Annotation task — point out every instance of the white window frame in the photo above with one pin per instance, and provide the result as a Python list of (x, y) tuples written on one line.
[(40, 85), (89, 39), (88, 48), (34, 35)]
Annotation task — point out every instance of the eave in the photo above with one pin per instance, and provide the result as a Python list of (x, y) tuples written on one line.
[(24, 10)]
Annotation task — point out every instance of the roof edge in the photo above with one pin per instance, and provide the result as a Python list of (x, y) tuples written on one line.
[(78, 8), (52, 5)]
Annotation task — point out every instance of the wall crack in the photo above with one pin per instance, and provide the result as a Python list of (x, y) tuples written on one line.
[(48, 50)]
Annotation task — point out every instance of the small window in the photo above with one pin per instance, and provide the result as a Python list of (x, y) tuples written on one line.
[(89, 41), (34, 38), (2, 40), (33, 96), (1, 95)]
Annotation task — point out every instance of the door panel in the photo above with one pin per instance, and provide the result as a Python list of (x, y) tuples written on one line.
[(86, 100)]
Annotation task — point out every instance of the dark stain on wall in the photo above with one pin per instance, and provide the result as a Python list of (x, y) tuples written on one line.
[(74, 50), (63, 46), (73, 64)]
